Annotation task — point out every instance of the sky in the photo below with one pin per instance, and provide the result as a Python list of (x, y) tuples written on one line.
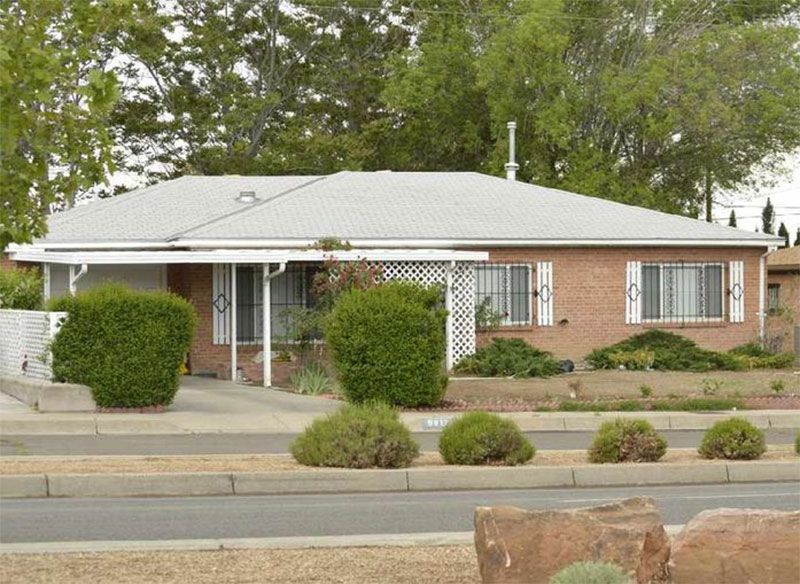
[(785, 197)]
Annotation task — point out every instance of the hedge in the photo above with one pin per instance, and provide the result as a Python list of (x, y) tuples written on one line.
[(126, 345), (388, 344), (21, 289)]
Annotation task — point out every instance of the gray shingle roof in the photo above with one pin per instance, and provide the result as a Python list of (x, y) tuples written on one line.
[(373, 206)]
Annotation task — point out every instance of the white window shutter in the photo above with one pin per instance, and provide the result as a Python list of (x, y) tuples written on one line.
[(544, 293), (736, 291), (633, 293), (221, 302)]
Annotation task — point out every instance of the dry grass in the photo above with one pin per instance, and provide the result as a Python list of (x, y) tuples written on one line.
[(278, 462), (406, 565), (623, 384)]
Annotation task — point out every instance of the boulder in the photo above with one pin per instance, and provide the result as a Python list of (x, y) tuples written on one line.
[(728, 546), (515, 545)]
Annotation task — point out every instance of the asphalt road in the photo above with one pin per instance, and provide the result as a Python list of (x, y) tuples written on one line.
[(47, 520), (149, 444)]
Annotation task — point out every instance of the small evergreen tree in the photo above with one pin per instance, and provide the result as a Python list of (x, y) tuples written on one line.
[(768, 218), (732, 219), (797, 239), (784, 233)]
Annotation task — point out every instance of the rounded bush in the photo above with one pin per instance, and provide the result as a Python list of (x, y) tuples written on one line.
[(21, 289), (509, 357), (482, 438), (590, 573), (627, 441), (357, 436), (734, 439), (388, 344), (126, 345)]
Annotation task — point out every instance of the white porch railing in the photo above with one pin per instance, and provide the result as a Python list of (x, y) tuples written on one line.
[(25, 337)]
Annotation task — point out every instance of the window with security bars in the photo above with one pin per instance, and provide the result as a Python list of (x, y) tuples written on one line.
[(503, 295), (291, 291), (682, 292)]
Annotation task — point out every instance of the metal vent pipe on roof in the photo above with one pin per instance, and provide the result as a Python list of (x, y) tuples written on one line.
[(511, 165), (246, 197)]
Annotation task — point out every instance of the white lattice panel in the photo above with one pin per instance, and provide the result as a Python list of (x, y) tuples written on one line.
[(462, 297), (25, 337)]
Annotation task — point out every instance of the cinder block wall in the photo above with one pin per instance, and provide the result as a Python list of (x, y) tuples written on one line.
[(589, 298)]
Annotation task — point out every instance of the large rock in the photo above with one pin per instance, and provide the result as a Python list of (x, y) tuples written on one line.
[(729, 546), (515, 545)]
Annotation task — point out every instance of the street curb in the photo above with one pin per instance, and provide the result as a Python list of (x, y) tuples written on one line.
[(436, 539), (391, 480)]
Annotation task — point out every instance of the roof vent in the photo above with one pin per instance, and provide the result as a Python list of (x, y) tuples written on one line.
[(511, 165), (246, 197)]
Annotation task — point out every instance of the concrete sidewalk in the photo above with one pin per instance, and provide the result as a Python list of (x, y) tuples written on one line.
[(286, 482), (211, 406)]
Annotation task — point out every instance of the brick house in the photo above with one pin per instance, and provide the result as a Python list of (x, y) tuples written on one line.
[(566, 272), (783, 299)]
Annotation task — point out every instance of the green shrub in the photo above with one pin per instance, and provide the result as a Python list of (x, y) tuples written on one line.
[(483, 438), (637, 360), (357, 436), (21, 289), (646, 391), (697, 404), (734, 439), (751, 350), (388, 344), (509, 357), (590, 573), (777, 386), (126, 345), (797, 443), (627, 441), (312, 380)]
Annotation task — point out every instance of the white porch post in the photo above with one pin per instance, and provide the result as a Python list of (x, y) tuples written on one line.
[(448, 304), (233, 337), (75, 276), (46, 281), (266, 333)]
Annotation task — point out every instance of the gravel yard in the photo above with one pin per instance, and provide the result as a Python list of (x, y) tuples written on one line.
[(624, 384), (276, 462), (401, 565)]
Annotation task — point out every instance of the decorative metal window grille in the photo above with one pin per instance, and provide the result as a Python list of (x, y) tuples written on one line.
[(680, 292), (504, 295)]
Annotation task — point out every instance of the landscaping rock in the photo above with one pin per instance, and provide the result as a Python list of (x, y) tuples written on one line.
[(729, 546), (515, 545)]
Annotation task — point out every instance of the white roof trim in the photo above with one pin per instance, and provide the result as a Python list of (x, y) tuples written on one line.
[(239, 256)]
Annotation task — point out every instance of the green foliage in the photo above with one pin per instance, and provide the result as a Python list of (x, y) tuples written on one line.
[(509, 357), (797, 443), (357, 436), (625, 440), (486, 317), (672, 352), (698, 404), (777, 386), (646, 390), (388, 344), (477, 438), (590, 573), (21, 289), (332, 244), (126, 345), (733, 439), (768, 218), (337, 277), (312, 380)]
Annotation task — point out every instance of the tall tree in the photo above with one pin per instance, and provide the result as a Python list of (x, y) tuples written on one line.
[(768, 218), (732, 219), (57, 88), (797, 238), (784, 233)]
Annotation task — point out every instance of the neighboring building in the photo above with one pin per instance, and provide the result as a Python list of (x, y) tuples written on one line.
[(783, 299), (565, 272)]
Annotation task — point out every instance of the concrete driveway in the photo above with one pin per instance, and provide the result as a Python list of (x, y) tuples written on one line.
[(202, 405)]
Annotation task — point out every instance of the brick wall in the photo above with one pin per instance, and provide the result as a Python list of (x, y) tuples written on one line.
[(589, 298), (781, 326)]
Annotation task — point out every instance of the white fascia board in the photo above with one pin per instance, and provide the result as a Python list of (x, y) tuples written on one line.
[(239, 256)]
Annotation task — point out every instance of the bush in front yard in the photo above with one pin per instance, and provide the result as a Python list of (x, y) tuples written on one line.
[(21, 289), (733, 439), (482, 438), (357, 436), (757, 357), (590, 573), (509, 357), (388, 344), (627, 441), (126, 345)]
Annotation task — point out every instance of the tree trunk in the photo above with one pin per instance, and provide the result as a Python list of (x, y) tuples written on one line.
[(707, 196)]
